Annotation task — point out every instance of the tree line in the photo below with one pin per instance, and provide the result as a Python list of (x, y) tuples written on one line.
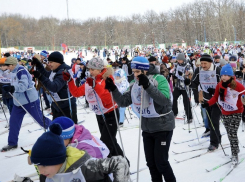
[(202, 20)]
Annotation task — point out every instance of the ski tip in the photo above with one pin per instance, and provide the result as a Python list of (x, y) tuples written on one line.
[(207, 170)]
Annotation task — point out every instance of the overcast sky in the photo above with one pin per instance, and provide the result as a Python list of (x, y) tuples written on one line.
[(82, 10)]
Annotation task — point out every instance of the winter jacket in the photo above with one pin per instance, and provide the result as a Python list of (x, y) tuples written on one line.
[(99, 88), (160, 93), (127, 68), (80, 137), (25, 91), (179, 79), (5, 79), (195, 82), (95, 170), (58, 85), (239, 88)]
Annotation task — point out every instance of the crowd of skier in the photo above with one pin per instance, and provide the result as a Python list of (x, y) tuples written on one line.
[(149, 80)]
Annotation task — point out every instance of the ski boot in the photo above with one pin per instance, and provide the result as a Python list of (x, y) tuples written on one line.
[(9, 147)]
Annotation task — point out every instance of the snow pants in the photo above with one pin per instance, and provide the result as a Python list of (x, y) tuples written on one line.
[(66, 111), (214, 113), (156, 146), (232, 123), (186, 102), (17, 116), (105, 137)]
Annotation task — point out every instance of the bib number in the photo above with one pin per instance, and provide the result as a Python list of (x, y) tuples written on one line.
[(144, 111)]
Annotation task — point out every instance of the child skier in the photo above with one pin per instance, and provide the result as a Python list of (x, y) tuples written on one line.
[(157, 116), (228, 94), (58, 163)]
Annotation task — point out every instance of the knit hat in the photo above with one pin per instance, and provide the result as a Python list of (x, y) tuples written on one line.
[(140, 63), (10, 60), (238, 74), (6, 54), (181, 56), (232, 58), (44, 53), (49, 148), (2, 61), (227, 70), (67, 125), (96, 63), (223, 62), (56, 57), (217, 57), (152, 58), (206, 57)]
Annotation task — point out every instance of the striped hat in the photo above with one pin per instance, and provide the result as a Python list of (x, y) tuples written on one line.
[(67, 125), (140, 63)]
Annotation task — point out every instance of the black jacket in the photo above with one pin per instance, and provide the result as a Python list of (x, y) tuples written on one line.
[(58, 85)]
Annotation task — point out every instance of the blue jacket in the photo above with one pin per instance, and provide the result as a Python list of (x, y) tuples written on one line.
[(25, 91), (58, 85)]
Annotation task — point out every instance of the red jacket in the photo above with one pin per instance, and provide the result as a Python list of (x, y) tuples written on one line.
[(99, 88), (239, 88)]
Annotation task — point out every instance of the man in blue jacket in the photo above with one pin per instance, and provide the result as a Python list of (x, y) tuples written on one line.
[(25, 93), (53, 81)]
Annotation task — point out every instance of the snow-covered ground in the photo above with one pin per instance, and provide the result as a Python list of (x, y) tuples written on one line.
[(189, 171)]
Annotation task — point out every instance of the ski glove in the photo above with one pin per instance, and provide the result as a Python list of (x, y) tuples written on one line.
[(109, 85), (66, 76), (180, 73), (144, 81), (91, 82), (204, 104), (37, 74), (36, 62), (8, 88), (211, 91), (187, 81)]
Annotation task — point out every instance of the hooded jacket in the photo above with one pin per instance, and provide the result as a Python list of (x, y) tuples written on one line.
[(159, 91), (58, 85), (95, 170)]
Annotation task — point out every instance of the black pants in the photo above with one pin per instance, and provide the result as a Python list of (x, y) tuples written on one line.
[(66, 112), (243, 114), (46, 100), (214, 113), (196, 96), (156, 146), (111, 143), (186, 102)]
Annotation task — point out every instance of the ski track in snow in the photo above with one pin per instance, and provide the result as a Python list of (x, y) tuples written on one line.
[(189, 171)]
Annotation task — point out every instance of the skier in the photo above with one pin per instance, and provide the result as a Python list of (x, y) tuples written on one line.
[(122, 85), (100, 102), (180, 75), (157, 116), (58, 163), (207, 77), (54, 82), (26, 95), (228, 94)]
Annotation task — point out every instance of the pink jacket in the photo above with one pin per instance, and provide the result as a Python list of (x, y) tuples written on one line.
[(82, 134)]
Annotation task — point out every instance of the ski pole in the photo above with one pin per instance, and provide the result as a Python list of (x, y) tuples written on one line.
[(138, 160), (192, 114), (5, 115), (215, 132), (103, 116), (42, 108), (69, 98), (112, 99), (129, 112), (24, 109), (52, 97)]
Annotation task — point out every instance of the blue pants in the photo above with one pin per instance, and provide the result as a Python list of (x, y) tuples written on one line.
[(17, 116), (122, 114), (9, 103), (205, 117)]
